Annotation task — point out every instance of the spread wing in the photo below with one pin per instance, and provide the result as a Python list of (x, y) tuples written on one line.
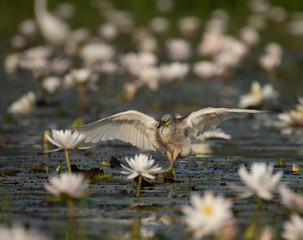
[(131, 126), (209, 118)]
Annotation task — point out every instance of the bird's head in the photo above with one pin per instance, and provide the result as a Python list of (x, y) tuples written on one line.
[(166, 120)]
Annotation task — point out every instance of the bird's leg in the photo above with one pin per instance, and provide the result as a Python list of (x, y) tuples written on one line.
[(175, 155), (169, 155)]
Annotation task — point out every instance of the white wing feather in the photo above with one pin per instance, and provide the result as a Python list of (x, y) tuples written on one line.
[(209, 118), (131, 126)]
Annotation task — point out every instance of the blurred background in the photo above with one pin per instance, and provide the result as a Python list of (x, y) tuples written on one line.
[(246, 27)]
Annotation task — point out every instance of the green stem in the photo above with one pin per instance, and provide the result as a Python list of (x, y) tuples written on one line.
[(258, 206), (38, 89), (82, 101), (273, 78), (71, 214), (67, 160), (250, 231), (139, 186)]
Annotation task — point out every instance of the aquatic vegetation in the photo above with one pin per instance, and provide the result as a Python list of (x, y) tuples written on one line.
[(65, 140), (140, 166), (258, 95), (292, 117), (21, 233), (260, 181), (24, 105), (67, 185), (207, 214), (293, 229), (290, 199), (137, 48), (51, 84)]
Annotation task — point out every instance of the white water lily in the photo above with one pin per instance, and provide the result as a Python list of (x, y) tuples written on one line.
[(95, 52), (51, 84), (36, 59), (178, 49), (261, 181), (174, 71), (20, 233), (11, 63), (293, 229), (140, 165), (292, 117), (205, 69), (23, 105), (65, 139), (150, 77), (134, 62), (207, 214), (258, 95), (291, 200), (70, 185)]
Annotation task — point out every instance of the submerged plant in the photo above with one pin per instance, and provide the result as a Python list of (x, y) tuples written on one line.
[(65, 140), (140, 166)]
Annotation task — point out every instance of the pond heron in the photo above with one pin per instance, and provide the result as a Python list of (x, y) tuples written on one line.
[(170, 134)]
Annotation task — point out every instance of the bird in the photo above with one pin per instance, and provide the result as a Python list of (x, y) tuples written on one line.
[(53, 29), (170, 135)]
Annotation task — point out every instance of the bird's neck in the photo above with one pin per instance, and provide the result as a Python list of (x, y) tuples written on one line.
[(40, 8)]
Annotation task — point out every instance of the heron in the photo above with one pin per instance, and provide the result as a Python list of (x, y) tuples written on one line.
[(172, 135), (53, 29)]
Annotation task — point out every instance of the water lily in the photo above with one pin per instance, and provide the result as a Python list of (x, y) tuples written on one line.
[(140, 166), (260, 181), (97, 52), (51, 84), (65, 140), (293, 229), (207, 214), (189, 25), (178, 49), (291, 200), (108, 31), (205, 69), (11, 63), (292, 117), (67, 185), (20, 233), (257, 95), (23, 105), (174, 71)]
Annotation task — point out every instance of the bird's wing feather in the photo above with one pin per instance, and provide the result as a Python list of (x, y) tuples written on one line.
[(131, 126), (209, 118)]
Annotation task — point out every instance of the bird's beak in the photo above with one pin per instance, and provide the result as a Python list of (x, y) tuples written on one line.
[(162, 123)]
